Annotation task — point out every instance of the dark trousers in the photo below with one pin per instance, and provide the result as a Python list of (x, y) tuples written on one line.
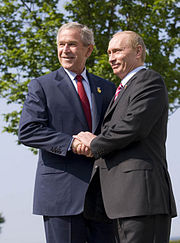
[(77, 229), (146, 229)]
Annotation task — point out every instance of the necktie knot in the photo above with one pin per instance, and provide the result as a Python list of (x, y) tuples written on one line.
[(79, 78)]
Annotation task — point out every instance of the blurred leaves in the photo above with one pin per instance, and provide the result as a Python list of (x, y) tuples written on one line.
[(28, 49), (155, 20), (2, 220), (28, 41)]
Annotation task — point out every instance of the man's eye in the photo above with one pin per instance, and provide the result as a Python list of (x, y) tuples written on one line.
[(118, 50), (72, 44)]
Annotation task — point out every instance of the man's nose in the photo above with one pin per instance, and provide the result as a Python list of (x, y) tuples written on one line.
[(111, 57), (66, 47)]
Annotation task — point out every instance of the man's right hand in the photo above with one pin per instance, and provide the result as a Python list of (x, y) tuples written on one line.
[(79, 148)]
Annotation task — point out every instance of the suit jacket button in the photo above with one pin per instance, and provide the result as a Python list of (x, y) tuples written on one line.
[(96, 167)]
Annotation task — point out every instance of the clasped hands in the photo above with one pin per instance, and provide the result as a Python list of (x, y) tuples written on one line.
[(81, 143)]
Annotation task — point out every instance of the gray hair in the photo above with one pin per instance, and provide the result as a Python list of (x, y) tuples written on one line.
[(87, 35)]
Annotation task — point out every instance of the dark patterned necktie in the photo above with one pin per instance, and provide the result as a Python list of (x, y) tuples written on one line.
[(118, 91), (84, 100)]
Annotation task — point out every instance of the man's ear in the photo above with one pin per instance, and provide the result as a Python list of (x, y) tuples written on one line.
[(89, 50), (139, 51)]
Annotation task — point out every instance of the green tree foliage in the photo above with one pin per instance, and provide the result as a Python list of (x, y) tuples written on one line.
[(28, 48), (155, 20), (28, 35), (1, 221)]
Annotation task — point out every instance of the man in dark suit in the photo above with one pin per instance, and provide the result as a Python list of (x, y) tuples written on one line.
[(52, 113), (130, 151)]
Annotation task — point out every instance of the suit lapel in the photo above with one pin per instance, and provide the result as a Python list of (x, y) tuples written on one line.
[(69, 92), (113, 103), (96, 98)]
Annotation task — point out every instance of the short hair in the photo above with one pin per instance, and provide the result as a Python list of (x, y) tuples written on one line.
[(87, 35), (135, 40)]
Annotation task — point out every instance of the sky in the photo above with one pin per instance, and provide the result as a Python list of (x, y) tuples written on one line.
[(17, 175)]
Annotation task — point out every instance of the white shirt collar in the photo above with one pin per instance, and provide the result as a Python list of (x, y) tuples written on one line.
[(73, 75), (129, 75)]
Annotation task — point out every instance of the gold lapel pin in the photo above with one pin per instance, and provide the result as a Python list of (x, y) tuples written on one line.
[(99, 90)]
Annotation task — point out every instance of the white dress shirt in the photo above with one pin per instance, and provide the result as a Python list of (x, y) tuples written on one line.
[(131, 74)]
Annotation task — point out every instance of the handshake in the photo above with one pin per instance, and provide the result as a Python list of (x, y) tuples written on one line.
[(81, 143)]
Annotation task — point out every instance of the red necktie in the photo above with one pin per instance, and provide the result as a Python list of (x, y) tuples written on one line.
[(84, 100), (118, 91)]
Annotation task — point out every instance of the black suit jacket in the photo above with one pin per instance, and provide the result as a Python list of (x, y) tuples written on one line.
[(130, 150), (51, 114)]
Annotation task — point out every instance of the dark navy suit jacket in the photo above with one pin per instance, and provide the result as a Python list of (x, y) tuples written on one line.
[(51, 114)]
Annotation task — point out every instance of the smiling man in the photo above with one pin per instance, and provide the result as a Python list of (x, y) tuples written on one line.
[(130, 152), (58, 105), (72, 50)]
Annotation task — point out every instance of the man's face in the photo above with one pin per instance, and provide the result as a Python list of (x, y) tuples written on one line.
[(122, 57), (72, 53)]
